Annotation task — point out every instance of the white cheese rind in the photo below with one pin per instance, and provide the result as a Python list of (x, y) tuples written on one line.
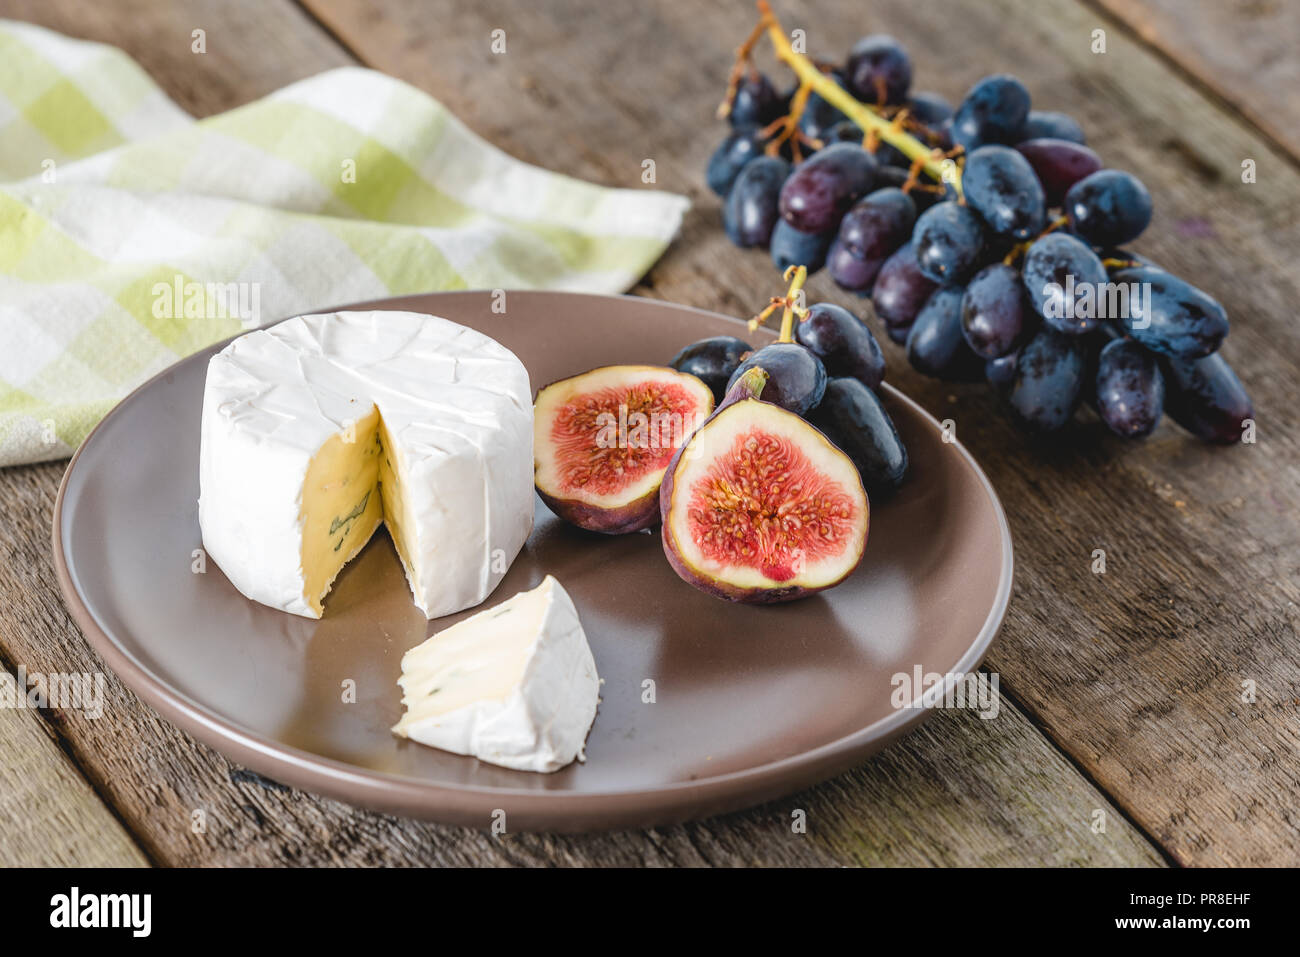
[(456, 404), (538, 724)]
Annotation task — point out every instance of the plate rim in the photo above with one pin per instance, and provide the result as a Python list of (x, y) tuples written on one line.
[(410, 797)]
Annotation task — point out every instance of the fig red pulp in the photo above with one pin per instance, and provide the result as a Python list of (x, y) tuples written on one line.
[(766, 505), (759, 506), (613, 436), (602, 440)]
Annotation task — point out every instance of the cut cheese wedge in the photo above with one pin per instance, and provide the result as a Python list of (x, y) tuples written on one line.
[(319, 429), (513, 685)]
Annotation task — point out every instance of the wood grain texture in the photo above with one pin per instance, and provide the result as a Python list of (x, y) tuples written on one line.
[(49, 815), (1243, 50), (252, 49), (1137, 674)]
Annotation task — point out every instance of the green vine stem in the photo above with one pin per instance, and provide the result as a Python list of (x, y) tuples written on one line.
[(811, 79), (796, 276)]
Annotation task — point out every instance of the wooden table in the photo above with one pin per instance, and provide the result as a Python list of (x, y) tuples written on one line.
[(1123, 692)]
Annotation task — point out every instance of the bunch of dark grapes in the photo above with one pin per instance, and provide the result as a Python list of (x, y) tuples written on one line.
[(1020, 277)]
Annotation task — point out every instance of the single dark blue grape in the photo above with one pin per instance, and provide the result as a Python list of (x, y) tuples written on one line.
[(712, 361), (944, 133), (898, 333), (1048, 124), (994, 111), (878, 63), (1058, 164), (877, 224), (796, 378), (1130, 391), (1168, 315), (1049, 380), (1002, 187), (757, 103), (818, 115), (948, 239), (901, 289), (1096, 341), (888, 176), (751, 210), (1108, 208), (730, 158), (1065, 280), (993, 311), (849, 270), (845, 131), (930, 109), (1001, 372), (1206, 398), (935, 344), (843, 342), (822, 188), (855, 421), (790, 247)]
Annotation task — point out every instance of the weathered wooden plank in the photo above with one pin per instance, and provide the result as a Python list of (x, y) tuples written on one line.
[(246, 54), (1243, 50), (49, 814), (1137, 673)]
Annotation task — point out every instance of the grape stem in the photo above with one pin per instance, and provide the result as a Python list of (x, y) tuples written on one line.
[(1019, 249), (938, 166), (789, 124), (913, 181), (795, 276), (738, 71)]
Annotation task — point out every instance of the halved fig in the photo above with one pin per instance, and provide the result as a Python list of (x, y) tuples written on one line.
[(602, 440), (759, 506)]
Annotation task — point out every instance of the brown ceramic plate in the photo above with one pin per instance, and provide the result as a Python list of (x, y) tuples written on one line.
[(749, 702)]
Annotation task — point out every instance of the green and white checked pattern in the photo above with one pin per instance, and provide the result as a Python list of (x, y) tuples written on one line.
[(108, 189)]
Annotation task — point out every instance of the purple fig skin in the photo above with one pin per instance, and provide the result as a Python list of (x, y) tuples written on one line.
[(747, 388), (641, 513), (632, 517), (745, 596)]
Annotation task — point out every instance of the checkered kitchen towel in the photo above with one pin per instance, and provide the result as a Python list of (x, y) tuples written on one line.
[(132, 234)]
